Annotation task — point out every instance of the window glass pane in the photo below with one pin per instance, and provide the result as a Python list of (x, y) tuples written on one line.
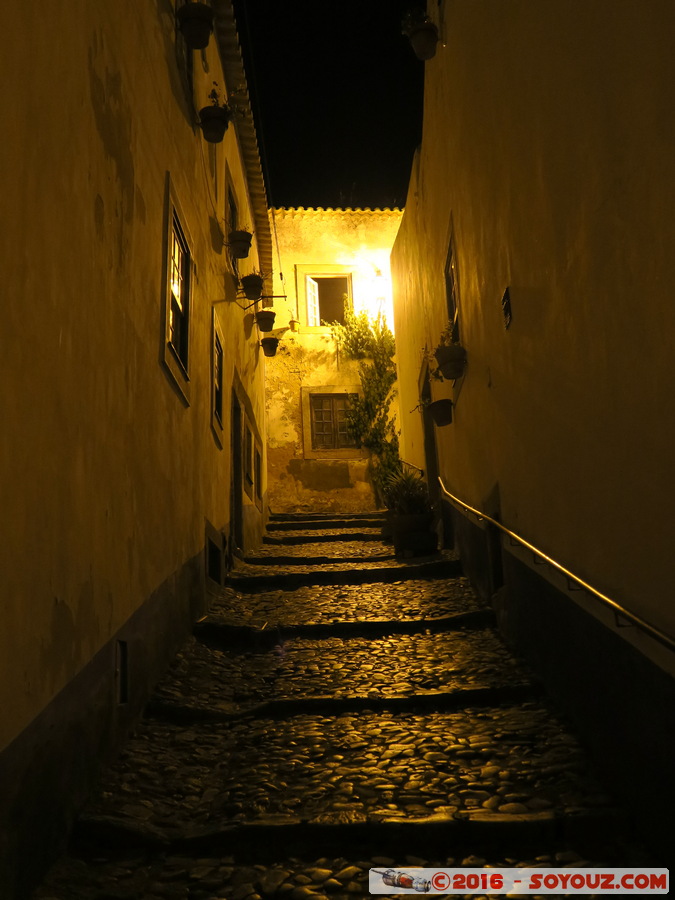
[(329, 421), (333, 293), (312, 302)]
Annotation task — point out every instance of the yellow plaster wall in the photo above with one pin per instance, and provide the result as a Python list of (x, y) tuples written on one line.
[(359, 240), (549, 139), (107, 478)]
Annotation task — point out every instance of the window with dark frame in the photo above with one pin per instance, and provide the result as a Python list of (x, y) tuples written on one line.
[(257, 473), (232, 222), (452, 287), (179, 280), (218, 380), (328, 415), (326, 297)]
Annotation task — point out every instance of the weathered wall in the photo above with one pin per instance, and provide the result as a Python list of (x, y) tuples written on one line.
[(331, 241), (557, 169), (108, 476), (548, 149)]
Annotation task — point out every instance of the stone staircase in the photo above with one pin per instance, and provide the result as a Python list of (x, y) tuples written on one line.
[(338, 709)]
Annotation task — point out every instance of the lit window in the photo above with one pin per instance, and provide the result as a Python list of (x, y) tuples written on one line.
[(329, 421), (180, 293), (176, 294), (326, 298)]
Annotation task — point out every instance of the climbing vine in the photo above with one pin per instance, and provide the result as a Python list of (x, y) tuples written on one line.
[(371, 341)]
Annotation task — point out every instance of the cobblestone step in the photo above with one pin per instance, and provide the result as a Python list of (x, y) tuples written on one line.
[(474, 765), (408, 601), (311, 555), (394, 666), (324, 523), (290, 538), (247, 578), (216, 631), (248, 876)]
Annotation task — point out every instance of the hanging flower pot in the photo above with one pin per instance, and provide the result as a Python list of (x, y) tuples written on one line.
[(451, 359), (269, 345), (423, 40), (422, 33), (195, 21), (240, 243), (213, 121), (441, 412), (293, 324), (264, 319), (252, 285)]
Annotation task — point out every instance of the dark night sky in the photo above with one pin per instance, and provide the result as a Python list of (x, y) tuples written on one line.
[(337, 98)]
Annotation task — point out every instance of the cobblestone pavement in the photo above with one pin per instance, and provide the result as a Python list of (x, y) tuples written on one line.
[(308, 733)]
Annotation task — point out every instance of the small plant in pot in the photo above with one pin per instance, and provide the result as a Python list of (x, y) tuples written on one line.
[(195, 21), (269, 345), (264, 319), (239, 242), (410, 515), (422, 33), (450, 355), (252, 285), (214, 119)]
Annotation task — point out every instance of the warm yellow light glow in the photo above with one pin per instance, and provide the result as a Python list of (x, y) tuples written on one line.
[(372, 286)]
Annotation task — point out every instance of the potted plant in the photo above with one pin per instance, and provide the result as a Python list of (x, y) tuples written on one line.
[(293, 323), (252, 285), (406, 496), (264, 319), (422, 33), (450, 355), (441, 411), (214, 119), (269, 345), (195, 21), (239, 242)]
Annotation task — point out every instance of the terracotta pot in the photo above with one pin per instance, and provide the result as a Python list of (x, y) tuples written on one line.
[(213, 121), (240, 243), (451, 360), (195, 21), (293, 324), (423, 40), (269, 345), (441, 412), (252, 286), (264, 319)]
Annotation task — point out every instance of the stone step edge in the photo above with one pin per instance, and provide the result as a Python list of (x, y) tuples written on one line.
[(297, 516), (290, 540), (263, 561), (322, 524), (426, 568), (472, 828), (217, 631), (287, 707)]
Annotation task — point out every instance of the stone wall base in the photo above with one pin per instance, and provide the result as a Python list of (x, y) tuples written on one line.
[(620, 702), (48, 771)]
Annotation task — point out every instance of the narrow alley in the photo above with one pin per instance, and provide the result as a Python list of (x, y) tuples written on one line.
[(338, 709)]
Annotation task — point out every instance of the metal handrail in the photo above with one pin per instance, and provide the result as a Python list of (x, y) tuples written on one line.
[(412, 466), (654, 632)]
